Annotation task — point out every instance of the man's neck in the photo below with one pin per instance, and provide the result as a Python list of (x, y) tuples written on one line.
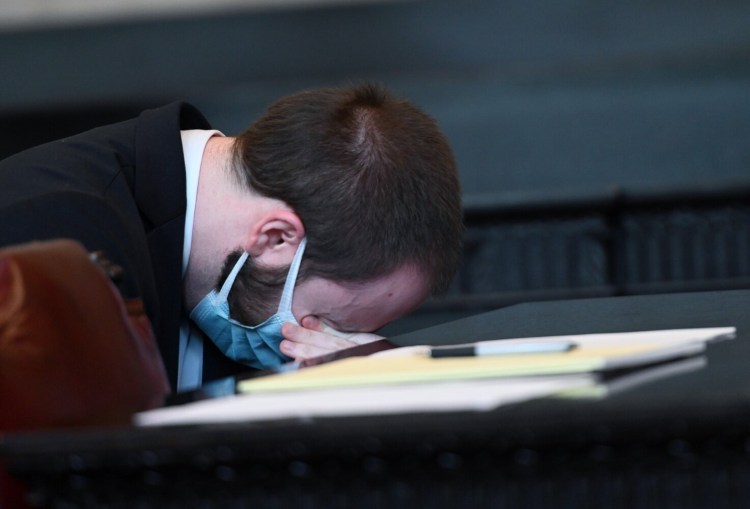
[(225, 216), (216, 224)]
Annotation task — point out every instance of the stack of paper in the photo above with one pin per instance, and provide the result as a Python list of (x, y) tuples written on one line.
[(414, 379), (475, 395), (593, 353)]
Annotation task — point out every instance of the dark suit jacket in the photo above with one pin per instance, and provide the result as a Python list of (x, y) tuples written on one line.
[(121, 189)]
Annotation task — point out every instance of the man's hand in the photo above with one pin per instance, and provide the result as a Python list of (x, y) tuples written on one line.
[(313, 338)]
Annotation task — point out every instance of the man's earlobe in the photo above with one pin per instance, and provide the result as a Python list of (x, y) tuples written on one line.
[(275, 237)]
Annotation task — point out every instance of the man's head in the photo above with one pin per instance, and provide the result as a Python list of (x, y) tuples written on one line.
[(371, 178)]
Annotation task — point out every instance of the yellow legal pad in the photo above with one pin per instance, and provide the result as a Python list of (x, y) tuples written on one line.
[(357, 371)]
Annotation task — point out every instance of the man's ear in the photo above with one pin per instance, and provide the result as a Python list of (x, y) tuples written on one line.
[(273, 240)]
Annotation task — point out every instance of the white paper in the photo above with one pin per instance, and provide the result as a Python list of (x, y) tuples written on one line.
[(465, 395), (661, 338), (478, 395)]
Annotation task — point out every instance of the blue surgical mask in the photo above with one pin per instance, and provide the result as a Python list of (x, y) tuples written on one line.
[(256, 346)]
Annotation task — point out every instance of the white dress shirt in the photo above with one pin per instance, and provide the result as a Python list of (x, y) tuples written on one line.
[(190, 367)]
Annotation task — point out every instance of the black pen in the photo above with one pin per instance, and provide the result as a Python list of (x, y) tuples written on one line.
[(499, 348)]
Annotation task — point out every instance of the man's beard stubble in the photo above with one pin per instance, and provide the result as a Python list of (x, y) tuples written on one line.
[(256, 292)]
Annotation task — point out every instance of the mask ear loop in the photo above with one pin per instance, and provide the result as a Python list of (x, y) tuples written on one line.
[(229, 281), (285, 304)]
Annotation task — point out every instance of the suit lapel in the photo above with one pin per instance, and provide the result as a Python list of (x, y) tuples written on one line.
[(160, 195)]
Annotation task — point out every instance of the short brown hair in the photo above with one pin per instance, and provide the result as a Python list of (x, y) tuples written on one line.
[(370, 175)]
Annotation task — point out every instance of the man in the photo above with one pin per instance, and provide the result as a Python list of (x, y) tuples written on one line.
[(338, 210)]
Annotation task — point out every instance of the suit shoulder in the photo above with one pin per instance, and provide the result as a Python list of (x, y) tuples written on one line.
[(179, 115)]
